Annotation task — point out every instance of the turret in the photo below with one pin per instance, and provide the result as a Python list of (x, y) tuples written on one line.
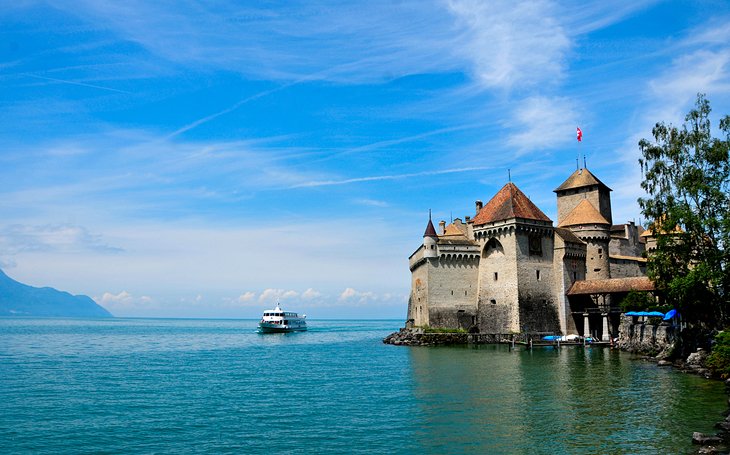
[(430, 239), (582, 185), (589, 225)]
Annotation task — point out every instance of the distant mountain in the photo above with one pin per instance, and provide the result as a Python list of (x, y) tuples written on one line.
[(18, 299)]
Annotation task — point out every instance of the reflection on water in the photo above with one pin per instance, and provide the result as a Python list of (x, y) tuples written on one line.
[(212, 386), (487, 399)]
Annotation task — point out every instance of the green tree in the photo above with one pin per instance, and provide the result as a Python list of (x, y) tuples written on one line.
[(687, 181)]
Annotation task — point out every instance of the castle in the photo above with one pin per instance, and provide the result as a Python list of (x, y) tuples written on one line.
[(509, 270)]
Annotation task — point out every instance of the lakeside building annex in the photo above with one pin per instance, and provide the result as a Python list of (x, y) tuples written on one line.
[(509, 270)]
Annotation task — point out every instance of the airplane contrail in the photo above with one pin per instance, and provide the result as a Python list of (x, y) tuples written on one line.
[(83, 84)]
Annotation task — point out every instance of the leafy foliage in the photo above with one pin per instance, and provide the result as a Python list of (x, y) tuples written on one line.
[(719, 358), (687, 181), (640, 301)]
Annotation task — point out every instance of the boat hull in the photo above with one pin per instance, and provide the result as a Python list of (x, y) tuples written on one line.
[(278, 328)]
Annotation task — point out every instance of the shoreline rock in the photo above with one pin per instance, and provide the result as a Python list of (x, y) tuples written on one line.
[(417, 337)]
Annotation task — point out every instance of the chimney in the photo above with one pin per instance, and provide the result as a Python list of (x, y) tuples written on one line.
[(442, 227), (479, 206)]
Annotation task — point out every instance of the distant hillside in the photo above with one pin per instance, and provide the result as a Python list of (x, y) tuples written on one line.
[(18, 299)]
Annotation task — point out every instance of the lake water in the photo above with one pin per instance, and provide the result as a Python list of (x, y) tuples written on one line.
[(217, 386)]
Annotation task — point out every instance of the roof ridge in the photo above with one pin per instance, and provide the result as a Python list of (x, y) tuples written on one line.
[(580, 178), (509, 202)]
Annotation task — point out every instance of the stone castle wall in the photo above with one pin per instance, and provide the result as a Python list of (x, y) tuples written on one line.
[(498, 285), (625, 268), (538, 311), (452, 289)]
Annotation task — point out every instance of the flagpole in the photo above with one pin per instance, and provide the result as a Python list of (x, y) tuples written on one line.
[(579, 136)]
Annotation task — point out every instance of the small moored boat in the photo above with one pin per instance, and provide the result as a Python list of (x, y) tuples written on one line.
[(277, 320)]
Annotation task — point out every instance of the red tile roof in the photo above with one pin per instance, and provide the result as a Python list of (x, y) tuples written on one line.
[(611, 285), (583, 213), (509, 203), (579, 179)]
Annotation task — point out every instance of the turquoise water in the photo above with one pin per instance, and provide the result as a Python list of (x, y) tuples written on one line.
[(216, 386)]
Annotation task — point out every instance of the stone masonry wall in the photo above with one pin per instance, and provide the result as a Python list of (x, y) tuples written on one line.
[(418, 301), (498, 287), (623, 268), (538, 311), (656, 340), (452, 289)]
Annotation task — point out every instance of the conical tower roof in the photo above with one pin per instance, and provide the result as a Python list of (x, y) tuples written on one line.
[(430, 230), (579, 179), (509, 203)]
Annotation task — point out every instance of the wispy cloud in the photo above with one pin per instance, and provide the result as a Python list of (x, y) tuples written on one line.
[(82, 84), (372, 203), (248, 296), (700, 71), (584, 17), (16, 238), (376, 178), (512, 43), (543, 123)]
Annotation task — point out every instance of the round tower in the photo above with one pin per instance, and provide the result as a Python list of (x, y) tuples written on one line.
[(597, 239), (589, 225), (430, 239)]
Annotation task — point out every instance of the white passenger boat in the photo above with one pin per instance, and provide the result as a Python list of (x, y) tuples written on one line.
[(277, 320)]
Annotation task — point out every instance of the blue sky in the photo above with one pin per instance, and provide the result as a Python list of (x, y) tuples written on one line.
[(206, 159)]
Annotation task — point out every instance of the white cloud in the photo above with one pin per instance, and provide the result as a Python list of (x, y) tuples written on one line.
[(543, 123), (276, 295), (352, 295), (247, 297), (371, 202), (512, 43), (702, 71), (123, 300), (310, 294)]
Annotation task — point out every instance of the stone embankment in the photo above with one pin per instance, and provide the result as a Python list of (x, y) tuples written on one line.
[(655, 340), (419, 337)]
